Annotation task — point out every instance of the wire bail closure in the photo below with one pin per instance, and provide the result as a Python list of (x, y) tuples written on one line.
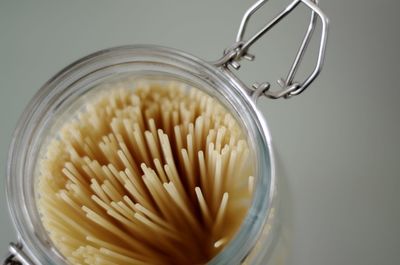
[(288, 87), (16, 256)]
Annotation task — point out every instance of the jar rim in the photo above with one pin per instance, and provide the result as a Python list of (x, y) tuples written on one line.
[(18, 157)]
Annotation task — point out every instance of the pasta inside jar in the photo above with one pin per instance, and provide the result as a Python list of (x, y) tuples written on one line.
[(160, 173)]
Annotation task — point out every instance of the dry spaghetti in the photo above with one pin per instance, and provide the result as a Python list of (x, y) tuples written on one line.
[(156, 175)]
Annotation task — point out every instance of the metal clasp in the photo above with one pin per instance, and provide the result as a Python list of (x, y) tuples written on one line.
[(16, 256), (288, 87)]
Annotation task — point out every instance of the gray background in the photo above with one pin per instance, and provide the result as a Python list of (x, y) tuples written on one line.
[(338, 143)]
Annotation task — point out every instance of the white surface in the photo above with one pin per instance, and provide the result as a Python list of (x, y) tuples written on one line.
[(338, 142)]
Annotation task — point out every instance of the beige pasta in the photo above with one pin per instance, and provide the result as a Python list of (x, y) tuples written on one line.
[(159, 174)]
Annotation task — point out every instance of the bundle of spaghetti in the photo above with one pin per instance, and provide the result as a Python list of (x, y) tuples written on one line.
[(159, 174)]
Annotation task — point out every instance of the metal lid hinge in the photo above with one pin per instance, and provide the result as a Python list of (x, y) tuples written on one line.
[(287, 87)]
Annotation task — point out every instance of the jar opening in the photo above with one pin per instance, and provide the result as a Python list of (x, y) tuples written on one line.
[(74, 84)]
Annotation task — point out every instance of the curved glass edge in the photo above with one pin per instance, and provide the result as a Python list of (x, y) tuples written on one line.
[(264, 201), (16, 196)]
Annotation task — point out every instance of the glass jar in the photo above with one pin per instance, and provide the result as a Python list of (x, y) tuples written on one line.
[(255, 239), (144, 62)]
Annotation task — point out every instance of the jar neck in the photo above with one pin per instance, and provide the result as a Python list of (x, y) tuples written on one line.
[(67, 85)]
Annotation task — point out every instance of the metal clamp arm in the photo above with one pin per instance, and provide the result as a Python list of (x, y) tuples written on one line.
[(288, 87), (16, 256)]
